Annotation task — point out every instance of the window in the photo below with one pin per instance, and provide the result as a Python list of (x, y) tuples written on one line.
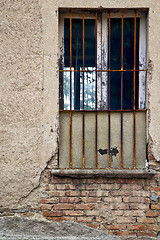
[(102, 89)]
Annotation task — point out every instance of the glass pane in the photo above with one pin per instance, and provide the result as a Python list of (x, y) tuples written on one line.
[(89, 43), (77, 43), (66, 84), (115, 90), (128, 90), (128, 43), (115, 44), (89, 89), (67, 42)]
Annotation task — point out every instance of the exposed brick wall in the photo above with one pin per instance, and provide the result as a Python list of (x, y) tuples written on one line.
[(118, 206)]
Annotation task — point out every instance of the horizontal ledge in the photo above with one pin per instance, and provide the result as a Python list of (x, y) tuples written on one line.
[(107, 173)]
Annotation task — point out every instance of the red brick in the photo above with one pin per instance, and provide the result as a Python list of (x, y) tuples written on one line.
[(91, 186), (118, 212), (84, 193), (99, 219), (110, 186), (146, 220), (153, 228), (72, 193), (90, 200), (60, 219), (48, 201), (134, 199), (154, 188), (136, 206), (117, 199), (69, 200), (61, 180), (56, 193), (137, 227), (92, 194), (126, 233), (148, 234), (155, 206), (121, 206), (152, 213), (84, 206), (46, 207), (60, 186), (120, 193), (93, 225), (126, 181), (126, 220), (73, 213), (134, 213), (84, 219), (63, 206), (52, 213), (131, 187), (92, 212), (116, 227), (70, 186)]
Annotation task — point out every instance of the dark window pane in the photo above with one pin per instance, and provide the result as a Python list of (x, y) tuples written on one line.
[(66, 42), (128, 90), (89, 43), (77, 43), (128, 43), (137, 42), (115, 90), (115, 44)]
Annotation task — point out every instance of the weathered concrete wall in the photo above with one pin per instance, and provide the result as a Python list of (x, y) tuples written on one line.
[(29, 95), (28, 139)]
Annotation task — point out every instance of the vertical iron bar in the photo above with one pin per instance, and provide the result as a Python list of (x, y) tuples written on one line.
[(122, 94), (134, 98), (83, 141), (70, 89), (109, 67), (96, 120)]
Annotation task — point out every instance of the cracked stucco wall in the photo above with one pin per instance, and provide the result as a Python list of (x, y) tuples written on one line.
[(28, 128), (29, 89)]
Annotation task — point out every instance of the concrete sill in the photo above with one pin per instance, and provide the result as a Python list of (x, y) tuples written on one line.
[(107, 173)]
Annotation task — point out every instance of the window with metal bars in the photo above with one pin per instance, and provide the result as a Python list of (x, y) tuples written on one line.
[(102, 78)]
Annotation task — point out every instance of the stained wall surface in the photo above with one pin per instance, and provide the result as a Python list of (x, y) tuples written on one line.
[(29, 90)]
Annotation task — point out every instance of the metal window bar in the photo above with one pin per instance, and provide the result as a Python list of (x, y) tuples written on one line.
[(109, 116), (83, 127), (122, 70), (134, 98), (70, 89), (122, 94), (96, 120)]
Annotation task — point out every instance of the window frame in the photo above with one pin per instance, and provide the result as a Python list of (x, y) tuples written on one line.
[(100, 58)]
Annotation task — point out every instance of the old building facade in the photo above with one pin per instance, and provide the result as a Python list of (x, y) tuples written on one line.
[(118, 201)]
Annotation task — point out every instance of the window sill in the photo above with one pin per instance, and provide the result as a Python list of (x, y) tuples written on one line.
[(107, 173)]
